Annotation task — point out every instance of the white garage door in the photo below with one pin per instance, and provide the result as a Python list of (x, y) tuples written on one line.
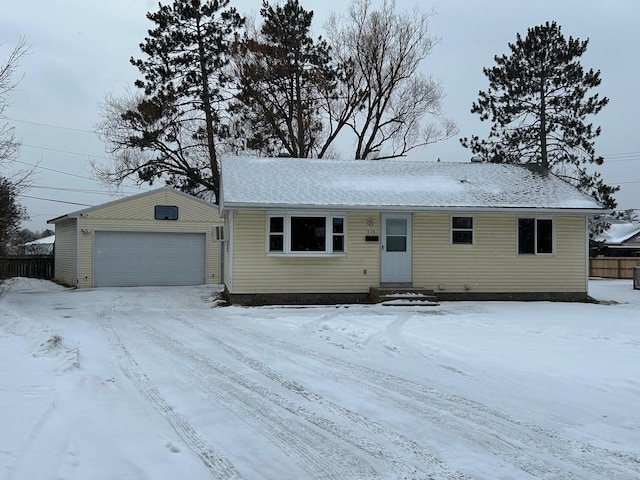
[(124, 259)]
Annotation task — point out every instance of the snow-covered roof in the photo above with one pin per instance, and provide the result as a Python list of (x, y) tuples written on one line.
[(393, 184), (42, 241), (619, 233)]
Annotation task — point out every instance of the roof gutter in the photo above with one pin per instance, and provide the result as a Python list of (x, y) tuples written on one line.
[(416, 208)]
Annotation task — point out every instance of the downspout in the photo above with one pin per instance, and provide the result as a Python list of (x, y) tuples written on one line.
[(229, 242), (223, 247), (587, 263), (77, 252)]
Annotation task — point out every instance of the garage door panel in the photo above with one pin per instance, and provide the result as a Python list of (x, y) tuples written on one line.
[(148, 258)]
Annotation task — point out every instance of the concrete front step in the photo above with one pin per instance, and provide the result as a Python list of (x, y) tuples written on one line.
[(412, 296)]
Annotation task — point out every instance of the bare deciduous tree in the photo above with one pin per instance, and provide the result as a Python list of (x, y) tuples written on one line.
[(11, 183), (146, 142), (383, 98), (9, 145)]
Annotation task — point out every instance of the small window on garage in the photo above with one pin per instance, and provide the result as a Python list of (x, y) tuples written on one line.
[(166, 212)]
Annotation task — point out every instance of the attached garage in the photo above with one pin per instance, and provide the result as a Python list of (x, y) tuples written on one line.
[(157, 238), (129, 259)]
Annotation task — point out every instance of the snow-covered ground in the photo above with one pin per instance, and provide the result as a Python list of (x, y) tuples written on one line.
[(159, 383)]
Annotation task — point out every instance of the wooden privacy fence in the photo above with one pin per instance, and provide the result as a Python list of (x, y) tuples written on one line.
[(612, 267), (31, 266)]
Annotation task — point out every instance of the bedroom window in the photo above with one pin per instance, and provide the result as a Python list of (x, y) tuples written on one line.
[(166, 212), (462, 230), (306, 234), (535, 236)]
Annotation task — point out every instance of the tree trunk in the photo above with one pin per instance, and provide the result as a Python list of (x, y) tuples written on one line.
[(206, 101), (543, 126)]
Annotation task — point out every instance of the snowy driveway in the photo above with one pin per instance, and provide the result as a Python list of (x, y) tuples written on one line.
[(158, 383)]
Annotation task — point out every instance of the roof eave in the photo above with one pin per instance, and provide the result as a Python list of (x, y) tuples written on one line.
[(412, 208), (59, 219)]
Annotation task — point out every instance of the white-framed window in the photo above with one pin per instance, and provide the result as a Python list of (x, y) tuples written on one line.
[(535, 236), (218, 233), (306, 234), (462, 230)]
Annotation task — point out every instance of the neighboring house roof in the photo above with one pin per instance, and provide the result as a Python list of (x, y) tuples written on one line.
[(41, 246), (394, 185), (40, 241), (80, 213), (620, 233)]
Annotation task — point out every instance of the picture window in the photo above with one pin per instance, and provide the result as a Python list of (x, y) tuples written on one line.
[(300, 234)]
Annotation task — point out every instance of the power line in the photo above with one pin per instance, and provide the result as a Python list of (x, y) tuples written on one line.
[(53, 200), (625, 183), (623, 154), (64, 151), (77, 190), (616, 160), (73, 174), (93, 132), (53, 170)]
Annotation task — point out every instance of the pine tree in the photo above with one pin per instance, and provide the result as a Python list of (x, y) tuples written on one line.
[(538, 104), (173, 128), (12, 213), (282, 72)]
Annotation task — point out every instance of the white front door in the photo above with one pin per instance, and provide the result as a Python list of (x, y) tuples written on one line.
[(396, 249)]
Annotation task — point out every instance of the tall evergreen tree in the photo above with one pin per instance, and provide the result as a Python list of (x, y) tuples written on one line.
[(538, 104), (173, 129), (282, 73), (11, 212)]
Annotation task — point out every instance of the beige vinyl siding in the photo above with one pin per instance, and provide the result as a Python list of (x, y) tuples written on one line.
[(142, 208), (492, 263), (137, 215), (66, 252), (256, 272)]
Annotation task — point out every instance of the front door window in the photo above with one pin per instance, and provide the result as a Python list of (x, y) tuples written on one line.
[(396, 235)]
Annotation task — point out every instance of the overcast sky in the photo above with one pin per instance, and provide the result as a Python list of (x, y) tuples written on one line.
[(80, 51)]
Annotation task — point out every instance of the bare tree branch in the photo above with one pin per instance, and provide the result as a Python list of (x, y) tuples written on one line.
[(384, 101)]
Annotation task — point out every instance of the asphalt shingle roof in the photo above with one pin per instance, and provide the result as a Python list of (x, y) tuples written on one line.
[(392, 184)]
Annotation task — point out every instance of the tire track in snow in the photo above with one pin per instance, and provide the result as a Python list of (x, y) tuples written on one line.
[(219, 466), (394, 462), (23, 457), (424, 457), (316, 451), (503, 435)]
